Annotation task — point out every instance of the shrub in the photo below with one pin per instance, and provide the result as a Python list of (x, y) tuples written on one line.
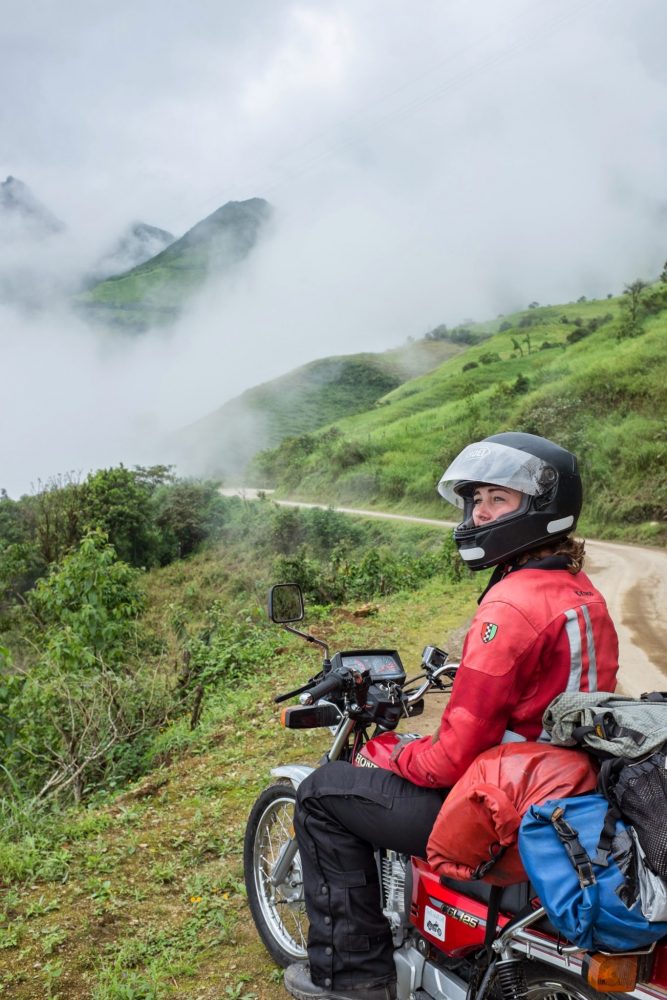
[(115, 502), (186, 512), (230, 649), (79, 712), (577, 334)]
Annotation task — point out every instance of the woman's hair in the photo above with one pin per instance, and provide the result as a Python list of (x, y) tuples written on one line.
[(573, 548)]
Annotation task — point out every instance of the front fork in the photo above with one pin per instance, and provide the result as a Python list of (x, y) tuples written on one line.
[(296, 773)]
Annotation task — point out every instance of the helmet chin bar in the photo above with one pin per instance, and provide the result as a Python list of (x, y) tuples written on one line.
[(496, 542)]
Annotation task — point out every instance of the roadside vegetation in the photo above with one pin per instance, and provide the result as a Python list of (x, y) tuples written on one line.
[(137, 726)]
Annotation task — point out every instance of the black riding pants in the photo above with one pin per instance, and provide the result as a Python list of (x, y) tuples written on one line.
[(342, 814)]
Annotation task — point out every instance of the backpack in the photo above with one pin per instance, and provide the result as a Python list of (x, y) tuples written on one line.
[(595, 906), (475, 832), (630, 736)]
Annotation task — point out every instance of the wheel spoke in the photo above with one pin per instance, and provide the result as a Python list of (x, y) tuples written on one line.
[(282, 907)]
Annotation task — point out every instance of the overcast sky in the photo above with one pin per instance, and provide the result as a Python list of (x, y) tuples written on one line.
[(428, 161)]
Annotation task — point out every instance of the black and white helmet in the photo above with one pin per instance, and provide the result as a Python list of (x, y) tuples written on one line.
[(546, 475)]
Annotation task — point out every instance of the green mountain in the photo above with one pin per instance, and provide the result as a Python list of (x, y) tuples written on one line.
[(312, 396), (590, 375), (154, 292)]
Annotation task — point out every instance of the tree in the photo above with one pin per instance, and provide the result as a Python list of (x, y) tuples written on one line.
[(72, 710), (53, 515), (12, 521), (632, 307), (186, 513), (87, 608), (632, 295), (116, 502)]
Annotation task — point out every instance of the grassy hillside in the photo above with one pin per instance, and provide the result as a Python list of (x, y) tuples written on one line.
[(589, 375), (303, 400), (138, 894), (155, 292)]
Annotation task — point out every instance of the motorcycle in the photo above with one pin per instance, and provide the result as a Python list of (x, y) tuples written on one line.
[(453, 940)]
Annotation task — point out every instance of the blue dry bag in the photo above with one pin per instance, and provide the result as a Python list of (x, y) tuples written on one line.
[(590, 900)]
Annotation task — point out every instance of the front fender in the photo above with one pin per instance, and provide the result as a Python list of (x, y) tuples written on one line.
[(295, 772)]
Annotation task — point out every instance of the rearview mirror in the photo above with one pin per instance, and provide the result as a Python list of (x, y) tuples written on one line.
[(285, 603)]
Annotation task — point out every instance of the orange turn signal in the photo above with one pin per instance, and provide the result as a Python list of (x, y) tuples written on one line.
[(611, 973)]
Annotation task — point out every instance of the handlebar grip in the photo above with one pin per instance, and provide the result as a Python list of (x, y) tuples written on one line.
[(332, 682)]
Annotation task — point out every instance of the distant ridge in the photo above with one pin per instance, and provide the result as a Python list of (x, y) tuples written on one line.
[(222, 443), (137, 244), (155, 291), (24, 212)]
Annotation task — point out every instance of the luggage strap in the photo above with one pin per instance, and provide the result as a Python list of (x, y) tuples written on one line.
[(496, 852), (605, 727), (495, 897), (578, 856)]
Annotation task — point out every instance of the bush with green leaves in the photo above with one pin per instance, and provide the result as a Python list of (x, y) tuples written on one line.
[(186, 512), (228, 649), (76, 707), (149, 516), (374, 572), (117, 502), (86, 610)]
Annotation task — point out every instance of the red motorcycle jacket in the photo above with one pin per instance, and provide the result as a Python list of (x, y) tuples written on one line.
[(537, 632)]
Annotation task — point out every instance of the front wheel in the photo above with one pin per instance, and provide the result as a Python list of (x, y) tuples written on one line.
[(278, 909)]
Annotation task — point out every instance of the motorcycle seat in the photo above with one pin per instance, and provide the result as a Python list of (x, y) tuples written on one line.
[(514, 897)]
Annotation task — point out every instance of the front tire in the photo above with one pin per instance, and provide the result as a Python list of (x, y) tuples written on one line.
[(279, 911)]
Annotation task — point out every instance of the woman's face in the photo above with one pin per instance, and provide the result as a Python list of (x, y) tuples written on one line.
[(492, 502)]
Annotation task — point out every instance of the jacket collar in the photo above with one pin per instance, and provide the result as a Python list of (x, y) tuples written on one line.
[(559, 561)]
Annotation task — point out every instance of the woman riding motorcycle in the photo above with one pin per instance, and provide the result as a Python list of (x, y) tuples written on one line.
[(541, 628)]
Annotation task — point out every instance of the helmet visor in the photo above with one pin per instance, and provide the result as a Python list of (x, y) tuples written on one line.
[(498, 465)]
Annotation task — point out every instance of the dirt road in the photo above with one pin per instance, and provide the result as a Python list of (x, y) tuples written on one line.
[(632, 578)]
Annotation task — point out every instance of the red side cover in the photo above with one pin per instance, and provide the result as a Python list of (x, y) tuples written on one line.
[(484, 808)]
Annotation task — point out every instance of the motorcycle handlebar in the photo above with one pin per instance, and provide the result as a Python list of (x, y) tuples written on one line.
[(446, 670), (332, 682)]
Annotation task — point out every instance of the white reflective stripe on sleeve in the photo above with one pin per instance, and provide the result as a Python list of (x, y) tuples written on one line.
[(592, 661), (574, 638), (573, 633)]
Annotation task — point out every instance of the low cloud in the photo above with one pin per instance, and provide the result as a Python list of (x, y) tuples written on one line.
[(424, 168)]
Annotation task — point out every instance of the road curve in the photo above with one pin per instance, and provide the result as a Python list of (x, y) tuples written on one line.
[(632, 578)]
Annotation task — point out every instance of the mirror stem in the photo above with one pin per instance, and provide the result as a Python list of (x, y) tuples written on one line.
[(308, 638)]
